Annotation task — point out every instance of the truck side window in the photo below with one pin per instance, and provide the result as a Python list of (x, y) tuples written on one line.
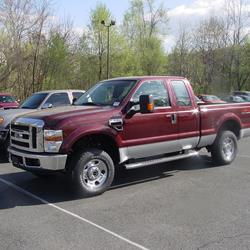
[(181, 93), (58, 99), (155, 88)]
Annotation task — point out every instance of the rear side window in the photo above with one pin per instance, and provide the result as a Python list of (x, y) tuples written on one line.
[(156, 89), (181, 93), (58, 99)]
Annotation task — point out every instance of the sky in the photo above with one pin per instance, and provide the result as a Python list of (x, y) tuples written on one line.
[(181, 12), (79, 10)]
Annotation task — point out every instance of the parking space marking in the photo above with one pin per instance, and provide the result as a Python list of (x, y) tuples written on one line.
[(244, 156), (25, 192)]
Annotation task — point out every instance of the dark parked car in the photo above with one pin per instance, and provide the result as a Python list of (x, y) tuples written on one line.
[(245, 98), (7, 101), (242, 93), (245, 95), (233, 99)]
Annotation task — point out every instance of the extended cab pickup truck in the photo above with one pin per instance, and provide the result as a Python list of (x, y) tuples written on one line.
[(131, 122)]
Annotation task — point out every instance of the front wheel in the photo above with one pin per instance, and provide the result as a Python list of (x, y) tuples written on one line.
[(225, 148), (93, 172)]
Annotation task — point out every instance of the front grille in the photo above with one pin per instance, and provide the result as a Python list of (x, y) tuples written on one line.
[(20, 127), (33, 133), (20, 143), (24, 136), (27, 134)]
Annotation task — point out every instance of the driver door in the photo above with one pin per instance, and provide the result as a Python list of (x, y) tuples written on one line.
[(155, 133)]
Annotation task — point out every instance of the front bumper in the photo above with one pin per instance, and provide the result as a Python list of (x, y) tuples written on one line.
[(34, 161)]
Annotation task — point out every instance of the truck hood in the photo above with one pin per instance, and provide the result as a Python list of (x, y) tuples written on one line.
[(69, 114), (11, 114)]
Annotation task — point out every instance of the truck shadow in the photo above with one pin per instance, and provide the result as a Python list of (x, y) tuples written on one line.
[(3, 158), (58, 188)]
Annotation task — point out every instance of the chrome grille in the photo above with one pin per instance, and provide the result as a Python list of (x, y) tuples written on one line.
[(27, 134)]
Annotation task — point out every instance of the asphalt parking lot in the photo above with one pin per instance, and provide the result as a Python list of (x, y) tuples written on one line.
[(187, 204)]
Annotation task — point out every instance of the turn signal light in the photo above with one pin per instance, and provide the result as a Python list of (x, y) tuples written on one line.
[(150, 107)]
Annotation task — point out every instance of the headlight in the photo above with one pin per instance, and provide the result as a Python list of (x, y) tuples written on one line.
[(1, 120), (52, 140)]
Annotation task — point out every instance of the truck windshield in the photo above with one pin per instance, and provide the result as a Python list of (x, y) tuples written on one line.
[(34, 101), (108, 93)]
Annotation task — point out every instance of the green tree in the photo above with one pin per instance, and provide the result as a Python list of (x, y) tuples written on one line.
[(57, 63), (141, 26)]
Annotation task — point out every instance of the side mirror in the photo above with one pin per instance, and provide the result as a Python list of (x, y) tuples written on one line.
[(146, 104), (47, 106)]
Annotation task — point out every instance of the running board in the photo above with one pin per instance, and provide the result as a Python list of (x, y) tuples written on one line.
[(160, 160)]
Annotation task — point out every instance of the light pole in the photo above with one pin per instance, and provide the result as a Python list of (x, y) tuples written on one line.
[(112, 22)]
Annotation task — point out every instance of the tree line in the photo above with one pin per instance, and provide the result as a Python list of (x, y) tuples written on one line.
[(37, 53)]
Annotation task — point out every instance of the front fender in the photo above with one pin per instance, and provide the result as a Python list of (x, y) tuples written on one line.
[(81, 132)]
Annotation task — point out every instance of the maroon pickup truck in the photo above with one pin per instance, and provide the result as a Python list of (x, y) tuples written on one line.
[(131, 122)]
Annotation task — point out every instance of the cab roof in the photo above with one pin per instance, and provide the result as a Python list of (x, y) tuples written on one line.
[(137, 78), (60, 90)]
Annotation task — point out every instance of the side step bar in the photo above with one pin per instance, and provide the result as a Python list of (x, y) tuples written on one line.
[(160, 160)]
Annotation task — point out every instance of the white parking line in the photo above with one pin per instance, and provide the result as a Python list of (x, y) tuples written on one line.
[(72, 214), (244, 156)]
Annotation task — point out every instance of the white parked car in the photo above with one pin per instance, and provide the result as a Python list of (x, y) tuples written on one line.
[(37, 101)]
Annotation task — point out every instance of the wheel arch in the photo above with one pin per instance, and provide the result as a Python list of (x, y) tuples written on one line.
[(232, 125), (97, 140)]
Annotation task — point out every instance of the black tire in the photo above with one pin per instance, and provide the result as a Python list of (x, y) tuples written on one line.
[(93, 172), (225, 148)]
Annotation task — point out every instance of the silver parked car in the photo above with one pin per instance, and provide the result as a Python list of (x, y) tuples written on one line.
[(37, 101)]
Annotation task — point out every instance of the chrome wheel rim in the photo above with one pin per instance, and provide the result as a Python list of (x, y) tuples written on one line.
[(228, 148), (94, 174)]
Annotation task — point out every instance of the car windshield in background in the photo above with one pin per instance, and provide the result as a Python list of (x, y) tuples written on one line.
[(238, 99), (34, 101), (108, 93), (7, 99), (245, 98), (211, 98)]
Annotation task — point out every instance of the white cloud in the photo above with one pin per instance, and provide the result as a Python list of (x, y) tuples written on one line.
[(190, 15), (198, 8)]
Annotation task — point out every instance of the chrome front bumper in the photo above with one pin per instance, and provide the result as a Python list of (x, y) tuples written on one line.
[(33, 161)]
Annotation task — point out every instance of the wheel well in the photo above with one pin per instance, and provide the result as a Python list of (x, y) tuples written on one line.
[(101, 141), (232, 126)]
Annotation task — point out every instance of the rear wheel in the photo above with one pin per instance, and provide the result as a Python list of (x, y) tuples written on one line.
[(225, 148), (93, 172)]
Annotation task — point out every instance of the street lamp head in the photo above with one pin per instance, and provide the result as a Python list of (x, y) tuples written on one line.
[(112, 22)]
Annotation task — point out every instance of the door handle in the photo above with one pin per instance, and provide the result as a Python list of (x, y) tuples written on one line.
[(173, 118)]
